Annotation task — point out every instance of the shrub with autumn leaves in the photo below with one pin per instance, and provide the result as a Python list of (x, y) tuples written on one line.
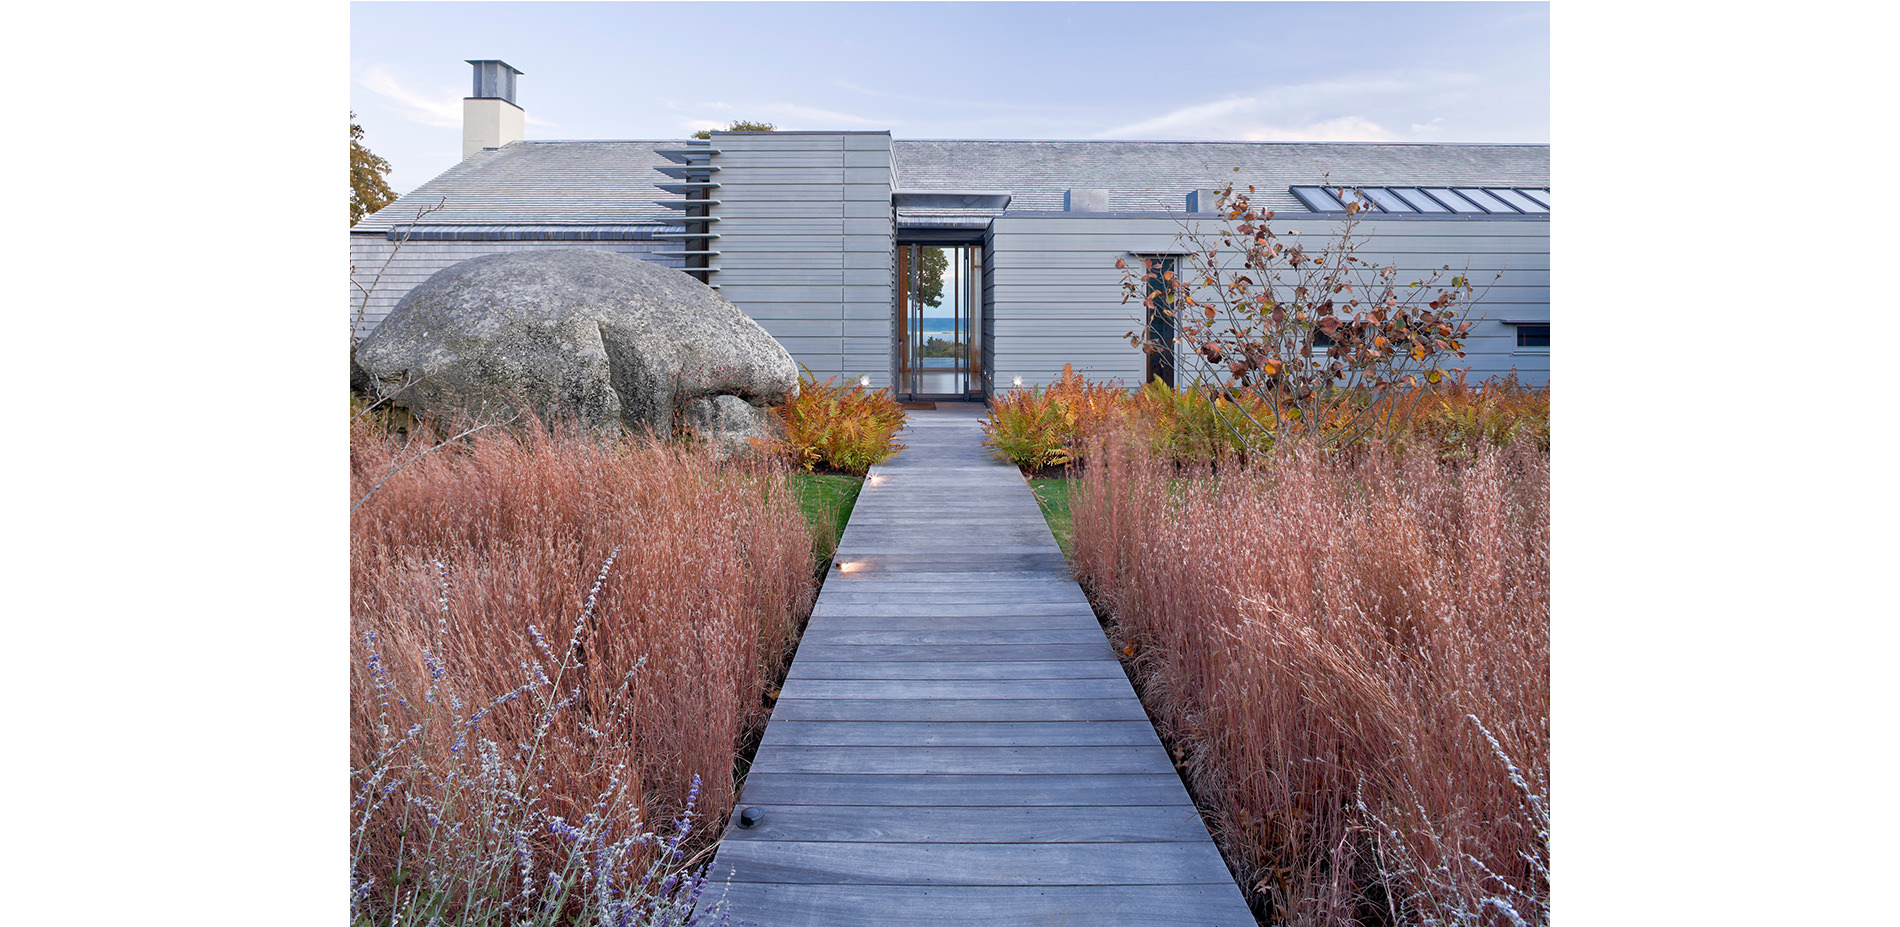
[(1306, 341)]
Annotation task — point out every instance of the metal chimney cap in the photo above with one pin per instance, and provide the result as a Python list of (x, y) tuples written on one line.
[(494, 80)]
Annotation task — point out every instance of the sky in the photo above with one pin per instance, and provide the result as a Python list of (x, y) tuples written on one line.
[(1375, 72)]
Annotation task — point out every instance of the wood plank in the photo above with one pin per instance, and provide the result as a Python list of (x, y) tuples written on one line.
[(898, 582), (962, 733), (970, 863), (978, 653), (1022, 669), (895, 607), (979, 709), (837, 636), (782, 905), (1027, 600), (1038, 761), (1170, 823), (938, 790), (1070, 622), (1095, 687)]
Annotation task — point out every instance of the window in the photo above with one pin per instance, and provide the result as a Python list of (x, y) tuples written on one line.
[(1158, 302), (1533, 335)]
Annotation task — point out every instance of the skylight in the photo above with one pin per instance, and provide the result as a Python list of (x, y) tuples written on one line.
[(1476, 201)]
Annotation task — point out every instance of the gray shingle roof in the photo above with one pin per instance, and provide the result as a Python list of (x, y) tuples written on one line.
[(541, 183), (604, 183), (1156, 176)]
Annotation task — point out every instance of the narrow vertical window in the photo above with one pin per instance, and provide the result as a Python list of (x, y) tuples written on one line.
[(1159, 303)]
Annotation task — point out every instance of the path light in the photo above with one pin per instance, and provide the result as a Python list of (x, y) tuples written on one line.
[(750, 817), (1019, 382), (865, 381), (849, 567)]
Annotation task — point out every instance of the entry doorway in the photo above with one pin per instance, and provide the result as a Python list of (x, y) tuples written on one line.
[(939, 321)]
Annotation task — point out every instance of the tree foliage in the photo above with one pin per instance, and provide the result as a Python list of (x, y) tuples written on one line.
[(931, 269), (1314, 337), (740, 125), (368, 190)]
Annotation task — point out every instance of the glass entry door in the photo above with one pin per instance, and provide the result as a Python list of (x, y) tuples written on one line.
[(939, 344)]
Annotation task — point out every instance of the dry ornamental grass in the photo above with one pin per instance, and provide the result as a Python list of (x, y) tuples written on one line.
[(1351, 655), (517, 739)]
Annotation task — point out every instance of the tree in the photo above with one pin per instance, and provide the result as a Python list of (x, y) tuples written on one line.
[(1313, 345), (740, 126), (931, 267), (368, 191)]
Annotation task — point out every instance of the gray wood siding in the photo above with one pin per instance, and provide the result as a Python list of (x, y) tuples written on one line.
[(1052, 294), (805, 244), (402, 268)]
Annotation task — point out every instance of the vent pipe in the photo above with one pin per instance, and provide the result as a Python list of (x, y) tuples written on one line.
[(491, 118), (1202, 200), (1085, 201)]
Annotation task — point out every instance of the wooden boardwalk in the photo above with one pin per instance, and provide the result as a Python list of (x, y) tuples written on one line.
[(955, 743)]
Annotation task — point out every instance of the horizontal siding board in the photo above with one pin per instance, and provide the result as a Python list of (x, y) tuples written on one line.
[(752, 209), (867, 209), (749, 162), (776, 145), (783, 276), (779, 193), (797, 299)]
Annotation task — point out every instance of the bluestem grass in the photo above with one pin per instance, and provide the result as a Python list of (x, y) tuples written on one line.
[(467, 828), (1314, 634), (514, 739)]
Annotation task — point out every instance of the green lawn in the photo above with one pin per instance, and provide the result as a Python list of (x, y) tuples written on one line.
[(1052, 493), (826, 499)]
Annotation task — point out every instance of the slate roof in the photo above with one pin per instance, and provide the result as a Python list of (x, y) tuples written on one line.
[(1156, 176), (542, 183), (611, 183)]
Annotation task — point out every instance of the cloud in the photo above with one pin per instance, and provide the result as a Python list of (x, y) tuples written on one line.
[(1191, 120), (1342, 129), (438, 106), (1353, 108), (434, 107), (809, 115)]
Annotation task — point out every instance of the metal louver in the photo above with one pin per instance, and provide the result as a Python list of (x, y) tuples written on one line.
[(695, 201)]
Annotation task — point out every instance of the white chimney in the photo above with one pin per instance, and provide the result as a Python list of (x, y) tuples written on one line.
[(491, 118)]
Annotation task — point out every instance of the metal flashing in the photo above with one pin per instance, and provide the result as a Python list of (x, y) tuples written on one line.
[(950, 199)]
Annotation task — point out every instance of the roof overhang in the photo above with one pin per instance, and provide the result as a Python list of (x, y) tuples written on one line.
[(950, 199)]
